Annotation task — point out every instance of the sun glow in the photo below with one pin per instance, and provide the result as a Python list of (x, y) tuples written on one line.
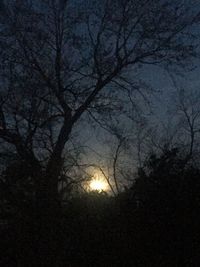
[(98, 183)]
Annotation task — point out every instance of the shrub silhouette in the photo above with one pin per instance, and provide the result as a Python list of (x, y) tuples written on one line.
[(156, 222)]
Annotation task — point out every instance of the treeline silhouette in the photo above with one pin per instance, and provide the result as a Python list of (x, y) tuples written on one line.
[(155, 222)]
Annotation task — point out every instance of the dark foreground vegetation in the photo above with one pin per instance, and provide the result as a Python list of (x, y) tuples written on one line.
[(156, 222), (68, 68)]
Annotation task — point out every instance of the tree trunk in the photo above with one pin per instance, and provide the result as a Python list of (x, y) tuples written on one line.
[(48, 239), (48, 208)]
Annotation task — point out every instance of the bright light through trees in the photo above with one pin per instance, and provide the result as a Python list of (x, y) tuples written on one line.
[(98, 183)]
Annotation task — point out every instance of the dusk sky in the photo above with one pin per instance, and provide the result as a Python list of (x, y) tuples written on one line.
[(99, 133)]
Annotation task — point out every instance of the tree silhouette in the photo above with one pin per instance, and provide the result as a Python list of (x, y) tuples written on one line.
[(59, 62), (167, 196)]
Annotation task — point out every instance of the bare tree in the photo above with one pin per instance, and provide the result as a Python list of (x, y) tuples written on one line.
[(188, 113), (59, 61)]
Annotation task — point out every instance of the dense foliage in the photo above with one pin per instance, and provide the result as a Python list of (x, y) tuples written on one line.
[(156, 222)]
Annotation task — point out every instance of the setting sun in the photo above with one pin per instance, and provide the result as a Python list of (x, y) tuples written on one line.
[(98, 185), (98, 182)]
